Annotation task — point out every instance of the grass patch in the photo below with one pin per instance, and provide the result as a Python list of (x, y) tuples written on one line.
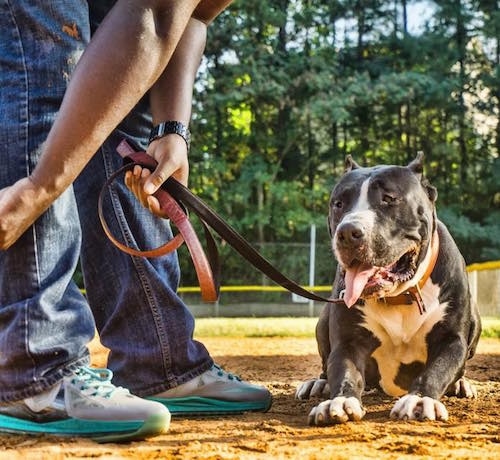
[(255, 327), (287, 327), (491, 327)]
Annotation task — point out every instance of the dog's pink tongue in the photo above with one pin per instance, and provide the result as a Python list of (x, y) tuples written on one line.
[(355, 281)]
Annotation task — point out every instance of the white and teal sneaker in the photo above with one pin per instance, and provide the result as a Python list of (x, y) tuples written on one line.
[(86, 403), (215, 392)]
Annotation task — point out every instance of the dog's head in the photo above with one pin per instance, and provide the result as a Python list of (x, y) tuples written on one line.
[(381, 220)]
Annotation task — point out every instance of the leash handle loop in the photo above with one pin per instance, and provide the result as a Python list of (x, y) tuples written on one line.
[(170, 246), (206, 270)]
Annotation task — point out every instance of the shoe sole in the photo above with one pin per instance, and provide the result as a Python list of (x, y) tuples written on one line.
[(97, 430), (197, 405)]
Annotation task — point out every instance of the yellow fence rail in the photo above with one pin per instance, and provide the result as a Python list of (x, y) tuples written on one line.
[(492, 265), (256, 288)]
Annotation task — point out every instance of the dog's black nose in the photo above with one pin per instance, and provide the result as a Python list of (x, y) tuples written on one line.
[(350, 234)]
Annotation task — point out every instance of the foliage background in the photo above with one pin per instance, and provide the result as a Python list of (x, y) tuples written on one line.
[(288, 88)]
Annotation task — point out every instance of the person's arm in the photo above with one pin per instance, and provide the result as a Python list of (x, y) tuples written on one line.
[(171, 99), (126, 56)]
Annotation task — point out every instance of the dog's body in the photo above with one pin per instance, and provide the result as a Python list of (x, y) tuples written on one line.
[(407, 325)]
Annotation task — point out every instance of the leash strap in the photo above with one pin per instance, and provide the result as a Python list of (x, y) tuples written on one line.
[(174, 198)]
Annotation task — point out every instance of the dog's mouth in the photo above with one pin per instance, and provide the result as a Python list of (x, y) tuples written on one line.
[(365, 280)]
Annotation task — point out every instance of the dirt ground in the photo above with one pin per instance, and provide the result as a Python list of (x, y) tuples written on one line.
[(473, 430)]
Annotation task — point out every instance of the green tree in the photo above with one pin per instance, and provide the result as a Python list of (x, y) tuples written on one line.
[(289, 87)]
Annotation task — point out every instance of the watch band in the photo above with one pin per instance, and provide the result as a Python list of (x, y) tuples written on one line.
[(171, 127)]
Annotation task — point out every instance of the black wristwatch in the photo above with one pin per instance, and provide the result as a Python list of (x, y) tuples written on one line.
[(171, 127)]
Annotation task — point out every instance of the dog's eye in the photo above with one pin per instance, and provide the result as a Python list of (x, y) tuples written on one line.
[(389, 199), (338, 204)]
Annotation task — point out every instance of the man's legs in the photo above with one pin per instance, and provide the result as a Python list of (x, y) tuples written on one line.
[(46, 323), (139, 316)]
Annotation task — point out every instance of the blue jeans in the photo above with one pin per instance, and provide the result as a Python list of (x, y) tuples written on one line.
[(45, 321)]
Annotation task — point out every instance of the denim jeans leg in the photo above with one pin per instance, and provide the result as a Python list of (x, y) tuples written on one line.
[(139, 316), (45, 321)]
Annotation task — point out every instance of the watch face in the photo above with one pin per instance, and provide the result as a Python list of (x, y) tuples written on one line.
[(170, 127)]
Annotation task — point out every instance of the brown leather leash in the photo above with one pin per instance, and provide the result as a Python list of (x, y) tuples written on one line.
[(174, 199)]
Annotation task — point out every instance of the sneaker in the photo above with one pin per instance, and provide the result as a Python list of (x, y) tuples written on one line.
[(86, 403), (215, 392)]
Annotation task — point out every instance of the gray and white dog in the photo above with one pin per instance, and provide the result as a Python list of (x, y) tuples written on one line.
[(407, 325)]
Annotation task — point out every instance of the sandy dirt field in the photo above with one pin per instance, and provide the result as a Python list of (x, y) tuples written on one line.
[(473, 430)]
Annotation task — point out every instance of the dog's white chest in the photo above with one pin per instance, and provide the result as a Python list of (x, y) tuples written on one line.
[(402, 331)]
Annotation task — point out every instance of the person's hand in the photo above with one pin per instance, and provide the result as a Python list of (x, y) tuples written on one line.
[(20, 205), (171, 154)]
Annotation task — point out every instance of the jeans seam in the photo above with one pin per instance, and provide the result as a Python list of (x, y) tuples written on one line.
[(24, 140), (26, 341), (138, 264), (24, 113)]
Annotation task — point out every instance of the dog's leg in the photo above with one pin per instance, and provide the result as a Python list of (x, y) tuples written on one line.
[(345, 375), (318, 387), (444, 370), (450, 343), (349, 347), (462, 388)]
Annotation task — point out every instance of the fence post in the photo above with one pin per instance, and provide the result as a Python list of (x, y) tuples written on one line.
[(312, 263), (473, 285)]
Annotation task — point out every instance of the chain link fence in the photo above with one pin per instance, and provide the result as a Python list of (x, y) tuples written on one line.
[(247, 292)]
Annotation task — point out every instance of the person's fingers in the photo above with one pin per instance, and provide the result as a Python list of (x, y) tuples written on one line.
[(134, 180), (171, 154), (20, 205), (156, 179), (154, 206)]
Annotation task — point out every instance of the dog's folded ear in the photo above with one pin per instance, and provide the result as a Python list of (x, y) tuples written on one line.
[(350, 164), (432, 192), (417, 167)]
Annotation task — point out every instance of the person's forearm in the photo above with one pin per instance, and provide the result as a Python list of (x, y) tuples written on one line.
[(171, 100), (126, 56), (171, 95)]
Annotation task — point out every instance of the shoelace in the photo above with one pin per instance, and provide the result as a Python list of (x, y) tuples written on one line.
[(221, 373), (96, 382)]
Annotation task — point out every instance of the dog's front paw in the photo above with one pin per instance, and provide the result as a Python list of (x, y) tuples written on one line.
[(414, 407), (462, 388), (336, 410), (313, 388)]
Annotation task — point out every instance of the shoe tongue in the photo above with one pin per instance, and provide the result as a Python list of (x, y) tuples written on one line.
[(355, 281)]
